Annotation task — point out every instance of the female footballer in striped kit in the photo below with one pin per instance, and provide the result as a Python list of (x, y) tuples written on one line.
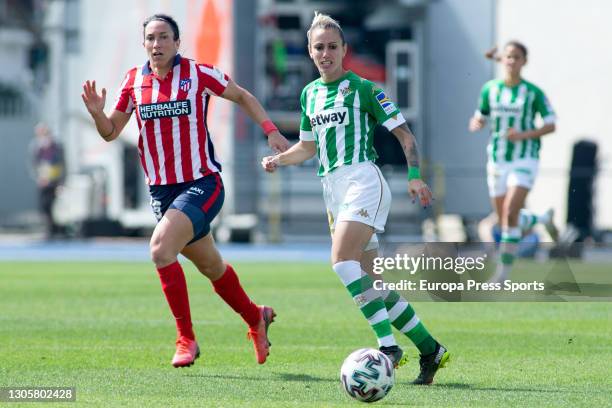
[(170, 95), (339, 112), (511, 105)]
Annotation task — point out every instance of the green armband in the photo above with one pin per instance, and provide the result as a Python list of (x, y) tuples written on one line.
[(414, 173)]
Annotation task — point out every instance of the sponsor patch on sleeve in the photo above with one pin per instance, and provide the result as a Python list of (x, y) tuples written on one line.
[(217, 74), (213, 72), (385, 102)]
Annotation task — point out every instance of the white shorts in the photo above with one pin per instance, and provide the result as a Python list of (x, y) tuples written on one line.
[(357, 192), (501, 176)]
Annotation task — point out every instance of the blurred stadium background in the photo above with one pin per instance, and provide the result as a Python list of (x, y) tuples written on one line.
[(428, 54)]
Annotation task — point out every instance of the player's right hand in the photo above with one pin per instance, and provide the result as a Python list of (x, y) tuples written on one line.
[(270, 163), (93, 101), (476, 124)]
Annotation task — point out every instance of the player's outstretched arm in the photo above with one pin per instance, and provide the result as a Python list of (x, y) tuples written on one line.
[(108, 127), (251, 106), (416, 186), (298, 153)]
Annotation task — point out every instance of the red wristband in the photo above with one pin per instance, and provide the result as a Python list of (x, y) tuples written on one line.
[(268, 127)]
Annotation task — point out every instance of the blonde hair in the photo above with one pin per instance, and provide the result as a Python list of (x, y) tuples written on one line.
[(324, 21)]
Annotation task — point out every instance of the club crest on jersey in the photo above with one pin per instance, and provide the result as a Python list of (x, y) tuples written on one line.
[(345, 90), (330, 117), (185, 84), (385, 102)]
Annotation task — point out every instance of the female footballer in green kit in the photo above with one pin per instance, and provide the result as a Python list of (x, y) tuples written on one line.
[(339, 113), (511, 104)]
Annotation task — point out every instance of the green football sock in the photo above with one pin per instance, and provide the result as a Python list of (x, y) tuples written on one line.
[(367, 299), (404, 319)]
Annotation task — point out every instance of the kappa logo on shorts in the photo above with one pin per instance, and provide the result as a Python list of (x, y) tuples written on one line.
[(364, 213)]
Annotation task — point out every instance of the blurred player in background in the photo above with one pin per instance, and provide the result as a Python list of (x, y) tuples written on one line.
[(170, 95), (339, 113), (511, 104), (48, 166)]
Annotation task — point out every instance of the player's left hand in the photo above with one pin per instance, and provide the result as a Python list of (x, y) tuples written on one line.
[(514, 136), (418, 189), (277, 142)]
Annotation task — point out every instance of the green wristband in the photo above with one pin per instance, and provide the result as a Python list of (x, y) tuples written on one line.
[(414, 173)]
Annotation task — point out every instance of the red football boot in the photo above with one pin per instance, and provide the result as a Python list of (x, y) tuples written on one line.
[(187, 351), (259, 334)]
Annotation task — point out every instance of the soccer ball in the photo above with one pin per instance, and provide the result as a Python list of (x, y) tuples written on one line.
[(367, 375)]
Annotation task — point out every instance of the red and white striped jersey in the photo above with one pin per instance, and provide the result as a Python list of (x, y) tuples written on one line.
[(174, 142)]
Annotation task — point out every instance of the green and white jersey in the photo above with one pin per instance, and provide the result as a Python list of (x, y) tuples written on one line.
[(340, 117), (513, 107)]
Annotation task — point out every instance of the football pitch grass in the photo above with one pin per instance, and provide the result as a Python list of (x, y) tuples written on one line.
[(105, 329)]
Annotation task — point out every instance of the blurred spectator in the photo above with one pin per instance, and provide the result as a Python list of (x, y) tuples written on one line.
[(48, 170)]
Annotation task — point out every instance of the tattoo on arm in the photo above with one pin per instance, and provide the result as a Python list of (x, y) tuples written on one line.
[(409, 145)]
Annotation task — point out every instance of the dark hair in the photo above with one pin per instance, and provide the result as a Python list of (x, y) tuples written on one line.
[(518, 45), (166, 19), (493, 55)]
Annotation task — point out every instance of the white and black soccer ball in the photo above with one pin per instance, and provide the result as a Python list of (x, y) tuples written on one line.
[(367, 375)]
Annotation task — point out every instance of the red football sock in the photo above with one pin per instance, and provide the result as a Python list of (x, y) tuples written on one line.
[(229, 288), (175, 288)]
